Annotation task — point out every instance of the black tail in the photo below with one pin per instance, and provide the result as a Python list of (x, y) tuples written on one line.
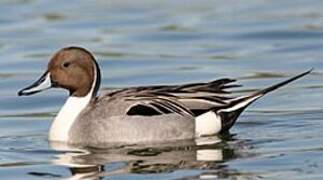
[(276, 86), (230, 114)]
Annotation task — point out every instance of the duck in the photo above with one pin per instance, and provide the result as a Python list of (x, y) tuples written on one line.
[(142, 114)]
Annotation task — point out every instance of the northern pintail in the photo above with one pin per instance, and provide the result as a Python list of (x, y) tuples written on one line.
[(136, 114)]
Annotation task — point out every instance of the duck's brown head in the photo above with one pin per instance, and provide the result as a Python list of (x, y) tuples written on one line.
[(71, 68)]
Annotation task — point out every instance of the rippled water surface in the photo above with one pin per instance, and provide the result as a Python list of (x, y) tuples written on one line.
[(259, 42)]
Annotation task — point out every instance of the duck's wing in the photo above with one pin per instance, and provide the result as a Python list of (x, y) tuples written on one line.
[(189, 99), (200, 97), (156, 104)]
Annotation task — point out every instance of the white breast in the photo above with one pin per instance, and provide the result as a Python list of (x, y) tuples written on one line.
[(66, 117)]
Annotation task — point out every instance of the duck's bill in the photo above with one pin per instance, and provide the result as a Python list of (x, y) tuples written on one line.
[(41, 84)]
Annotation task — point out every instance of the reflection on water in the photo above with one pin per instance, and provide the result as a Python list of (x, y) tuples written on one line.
[(207, 153)]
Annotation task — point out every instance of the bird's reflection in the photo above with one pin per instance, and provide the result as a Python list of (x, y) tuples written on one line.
[(207, 153)]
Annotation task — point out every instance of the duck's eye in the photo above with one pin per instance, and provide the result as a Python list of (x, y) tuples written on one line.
[(66, 64)]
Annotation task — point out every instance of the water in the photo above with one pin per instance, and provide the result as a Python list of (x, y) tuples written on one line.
[(258, 42)]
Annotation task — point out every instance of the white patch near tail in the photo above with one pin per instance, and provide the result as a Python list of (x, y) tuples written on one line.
[(208, 123), (241, 104)]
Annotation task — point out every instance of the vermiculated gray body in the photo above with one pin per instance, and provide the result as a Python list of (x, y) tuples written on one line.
[(106, 121)]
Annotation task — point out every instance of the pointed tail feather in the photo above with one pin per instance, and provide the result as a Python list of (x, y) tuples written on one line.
[(276, 86), (245, 101), (235, 108)]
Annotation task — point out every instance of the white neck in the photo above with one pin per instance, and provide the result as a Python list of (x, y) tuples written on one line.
[(60, 128), (64, 120)]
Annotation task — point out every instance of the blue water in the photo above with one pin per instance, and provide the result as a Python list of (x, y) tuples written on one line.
[(143, 42)]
